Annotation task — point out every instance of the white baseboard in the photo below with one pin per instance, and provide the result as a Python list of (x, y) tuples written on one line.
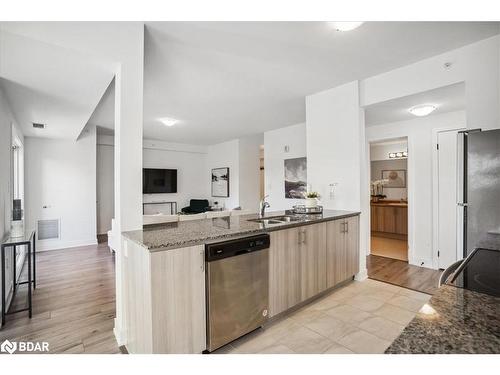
[(58, 245), (422, 262), (361, 275), (120, 335)]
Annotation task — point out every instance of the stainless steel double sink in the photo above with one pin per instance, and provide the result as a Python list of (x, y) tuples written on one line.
[(275, 220)]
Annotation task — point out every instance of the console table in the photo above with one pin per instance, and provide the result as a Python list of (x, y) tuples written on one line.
[(173, 206), (12, 242)]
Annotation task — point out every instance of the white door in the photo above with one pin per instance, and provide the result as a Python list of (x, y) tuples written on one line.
[(447, 198)]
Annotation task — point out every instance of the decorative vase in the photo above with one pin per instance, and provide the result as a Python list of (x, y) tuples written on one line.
[(311, 202)]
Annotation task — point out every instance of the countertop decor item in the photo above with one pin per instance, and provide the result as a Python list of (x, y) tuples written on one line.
[(312, 199)]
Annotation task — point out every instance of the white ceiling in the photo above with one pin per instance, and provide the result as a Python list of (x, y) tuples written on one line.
[(446, 99), (223, 80), (52, 85)]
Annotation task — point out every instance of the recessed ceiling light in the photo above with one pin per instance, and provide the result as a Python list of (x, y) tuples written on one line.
[(422, 110), (168, 121), (345, 26)]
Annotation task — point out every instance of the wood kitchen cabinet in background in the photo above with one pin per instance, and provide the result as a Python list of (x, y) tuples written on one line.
[(389, 220)]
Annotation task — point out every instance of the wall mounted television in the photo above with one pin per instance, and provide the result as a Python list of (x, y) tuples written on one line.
[(156, 181)]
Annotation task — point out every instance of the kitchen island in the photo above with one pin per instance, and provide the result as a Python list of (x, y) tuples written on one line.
[(164, 271), (454, 321)]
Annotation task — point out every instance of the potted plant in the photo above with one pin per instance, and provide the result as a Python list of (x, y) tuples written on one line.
[(312, 199), (377, 190)]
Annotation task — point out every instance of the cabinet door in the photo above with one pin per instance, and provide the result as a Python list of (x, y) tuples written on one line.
[(178, 300), (312, 260), (352, 246), (401, 220), (284, 270), (389, 219), (335, 249)]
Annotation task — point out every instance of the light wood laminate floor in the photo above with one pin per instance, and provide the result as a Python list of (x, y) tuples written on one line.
[(389, 248), (401, 273), (73, 305), (361, 317)]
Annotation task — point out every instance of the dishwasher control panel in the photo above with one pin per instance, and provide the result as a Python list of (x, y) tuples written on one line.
[(230, 248)]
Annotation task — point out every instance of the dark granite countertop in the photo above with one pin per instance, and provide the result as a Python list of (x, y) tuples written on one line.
[(455, 320), (166, 236)]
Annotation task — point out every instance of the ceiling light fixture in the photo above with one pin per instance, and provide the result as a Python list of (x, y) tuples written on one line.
[(168, 121), (422, 110), (345, 26)]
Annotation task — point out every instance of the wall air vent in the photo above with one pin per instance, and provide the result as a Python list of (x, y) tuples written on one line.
[(48, 229), (37, 125)]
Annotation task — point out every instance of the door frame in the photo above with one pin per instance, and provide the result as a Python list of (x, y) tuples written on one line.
[(435, 190), (409, 187)]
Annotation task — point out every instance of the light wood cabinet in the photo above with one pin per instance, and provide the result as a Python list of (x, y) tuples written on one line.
[(312, 260), (165, 304), (342, 250), (298, 268), (389, 219), (178, 300), (284, 270)]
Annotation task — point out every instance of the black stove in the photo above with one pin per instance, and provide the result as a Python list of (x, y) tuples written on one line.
[(479, 272)]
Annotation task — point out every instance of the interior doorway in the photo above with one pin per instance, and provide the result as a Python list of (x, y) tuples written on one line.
[(389, 198)]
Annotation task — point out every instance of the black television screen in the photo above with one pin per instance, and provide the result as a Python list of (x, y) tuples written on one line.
[(159, 181)]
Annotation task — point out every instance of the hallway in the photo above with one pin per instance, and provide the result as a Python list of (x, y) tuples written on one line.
[(73, 304)]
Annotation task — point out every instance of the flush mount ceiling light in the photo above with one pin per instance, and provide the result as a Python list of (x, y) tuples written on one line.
[(345, 26), (422, 110), (168, 121)]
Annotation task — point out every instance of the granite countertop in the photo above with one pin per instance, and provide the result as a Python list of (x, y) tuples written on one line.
[(158, 237), (458, 321)]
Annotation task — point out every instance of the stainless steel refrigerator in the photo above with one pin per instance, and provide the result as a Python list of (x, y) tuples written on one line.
[(479, 189)]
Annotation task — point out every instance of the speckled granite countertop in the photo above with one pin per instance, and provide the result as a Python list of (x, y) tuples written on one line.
[(166, 236), (463, 321)]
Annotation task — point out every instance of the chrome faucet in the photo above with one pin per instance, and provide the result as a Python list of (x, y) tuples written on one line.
[(263, 206)]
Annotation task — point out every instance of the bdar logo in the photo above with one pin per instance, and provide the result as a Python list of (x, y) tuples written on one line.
[(8, 347)]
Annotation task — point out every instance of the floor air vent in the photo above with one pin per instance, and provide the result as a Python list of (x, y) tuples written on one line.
[(48, 229)]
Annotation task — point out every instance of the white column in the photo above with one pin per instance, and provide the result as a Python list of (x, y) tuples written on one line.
[(128, 165), (336, 152)]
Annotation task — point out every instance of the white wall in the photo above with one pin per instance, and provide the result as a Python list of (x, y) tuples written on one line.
[(379, 156), (377, 166), (249, 171), (220, 155), (333, 145), (335, 151), (61, 175), (294, 137), (189, 160), (7, 126), (420, 149), (477, 65), (382, 151), (105, 187)]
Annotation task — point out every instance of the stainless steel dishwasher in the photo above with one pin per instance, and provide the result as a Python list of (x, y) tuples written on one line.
[(237, 288)]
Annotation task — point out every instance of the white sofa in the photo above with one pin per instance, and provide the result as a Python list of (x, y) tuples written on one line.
[(159, 219)]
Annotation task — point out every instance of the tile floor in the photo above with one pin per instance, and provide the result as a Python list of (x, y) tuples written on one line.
[(361, 317)]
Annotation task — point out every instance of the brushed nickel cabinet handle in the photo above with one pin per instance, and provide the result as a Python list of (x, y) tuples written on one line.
[(202, 267)]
